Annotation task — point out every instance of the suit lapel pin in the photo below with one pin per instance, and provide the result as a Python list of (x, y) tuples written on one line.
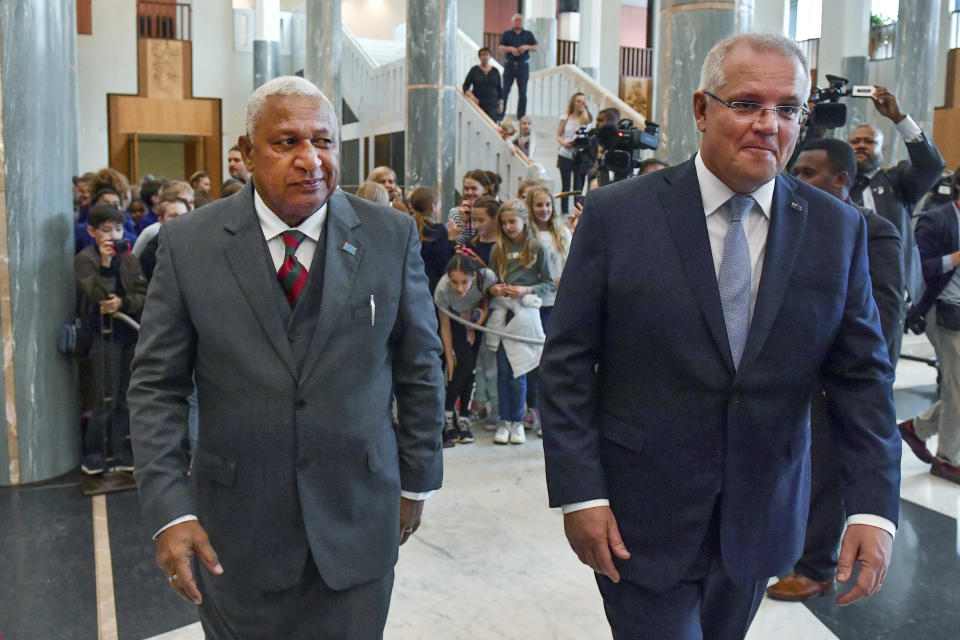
[(796, 205), (879, 191), (349, 248)]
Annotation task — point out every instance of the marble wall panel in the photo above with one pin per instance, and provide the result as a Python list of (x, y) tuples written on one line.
[(39, 97), (686, 36), (324, 50)]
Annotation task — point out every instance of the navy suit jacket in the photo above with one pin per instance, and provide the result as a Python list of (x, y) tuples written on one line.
[(641, 402), (937, 235)]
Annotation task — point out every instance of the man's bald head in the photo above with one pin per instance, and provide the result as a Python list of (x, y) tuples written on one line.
[(867, 143)]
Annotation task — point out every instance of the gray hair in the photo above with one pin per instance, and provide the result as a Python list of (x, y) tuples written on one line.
[(282, 86), (711, 74)]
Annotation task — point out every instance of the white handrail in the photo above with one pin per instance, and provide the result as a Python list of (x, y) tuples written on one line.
[(549, 91), (479, 146)]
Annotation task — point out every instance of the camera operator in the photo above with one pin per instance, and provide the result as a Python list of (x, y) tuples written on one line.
[(578, 115), (894, 192), (108, 279)]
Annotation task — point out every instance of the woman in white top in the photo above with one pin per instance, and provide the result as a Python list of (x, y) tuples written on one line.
[(577, 116)]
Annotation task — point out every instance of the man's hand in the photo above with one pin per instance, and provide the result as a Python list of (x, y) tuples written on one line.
[(410, 512), (175, 546), (111, 305), (593, 534), (870, 547), (886, 104)]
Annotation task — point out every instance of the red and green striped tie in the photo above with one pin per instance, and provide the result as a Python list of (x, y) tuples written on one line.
[(292, 275)]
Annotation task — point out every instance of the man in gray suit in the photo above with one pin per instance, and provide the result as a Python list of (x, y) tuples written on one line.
[(301, 310)]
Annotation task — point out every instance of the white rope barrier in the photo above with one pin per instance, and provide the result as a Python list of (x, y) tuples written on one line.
[(478, 327)]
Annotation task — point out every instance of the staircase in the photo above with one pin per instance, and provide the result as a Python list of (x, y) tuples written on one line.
[(375, 88)]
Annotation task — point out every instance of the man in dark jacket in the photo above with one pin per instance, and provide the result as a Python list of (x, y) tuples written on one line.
[(937, 239), (830, 165), (894, 192)]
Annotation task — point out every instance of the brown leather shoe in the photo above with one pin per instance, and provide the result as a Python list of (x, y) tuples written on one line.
[(797, 587), (945, 470), (913, 440)]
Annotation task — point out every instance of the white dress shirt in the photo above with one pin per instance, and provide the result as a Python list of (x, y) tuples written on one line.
[(714, 194), (273, 227)]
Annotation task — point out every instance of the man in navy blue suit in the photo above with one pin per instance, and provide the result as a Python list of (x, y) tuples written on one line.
[(700, 306)]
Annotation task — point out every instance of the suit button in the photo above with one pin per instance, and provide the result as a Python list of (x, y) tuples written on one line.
[(735, 398), (301, 404), (303, 464)]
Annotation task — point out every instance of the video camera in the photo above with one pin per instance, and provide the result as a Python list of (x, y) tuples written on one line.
[(828, 112), (621, 143)]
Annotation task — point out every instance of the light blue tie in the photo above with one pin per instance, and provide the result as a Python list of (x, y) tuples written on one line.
[(734, 277)]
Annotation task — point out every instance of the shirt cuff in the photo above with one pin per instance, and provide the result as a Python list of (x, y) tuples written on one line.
[(579, 506), (409, 495), (909, 130), (947, 263), (185, 518), (873, 521)]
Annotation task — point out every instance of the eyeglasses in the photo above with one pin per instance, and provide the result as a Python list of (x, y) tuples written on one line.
[(752, 110)]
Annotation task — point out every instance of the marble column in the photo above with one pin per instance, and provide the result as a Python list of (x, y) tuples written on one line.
[(687, 31), (431, 97), (915, 57), (266, 43), (40, 437), (325, 49), (771, 16), (591, 35), (540, 17)]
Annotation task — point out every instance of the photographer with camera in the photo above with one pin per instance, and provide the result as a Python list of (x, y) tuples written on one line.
[(578, 116), (894, 192), (108, 280)]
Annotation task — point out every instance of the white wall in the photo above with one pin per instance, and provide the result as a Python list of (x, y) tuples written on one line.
[(219, 71), (470, 18), (106, 63), (373, 18)]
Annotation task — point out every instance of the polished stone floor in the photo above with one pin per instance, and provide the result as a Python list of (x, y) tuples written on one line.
[(489, 562)]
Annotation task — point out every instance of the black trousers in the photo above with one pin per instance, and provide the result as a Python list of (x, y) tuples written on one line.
[(568, 172), (237, 610), (520, 73), (827, 514), (110, 360), (704, 605), (461, 385)]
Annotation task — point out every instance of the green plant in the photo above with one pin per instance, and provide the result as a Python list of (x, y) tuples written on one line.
[(880, 21)]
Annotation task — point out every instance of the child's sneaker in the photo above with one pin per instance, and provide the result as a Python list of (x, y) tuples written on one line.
[(450, 433), (482, 412), (516, 433), (503, 433), (93, 464), (531, 419), (464, 435)]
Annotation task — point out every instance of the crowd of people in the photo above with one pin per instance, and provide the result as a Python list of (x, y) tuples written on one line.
[(116, 227)]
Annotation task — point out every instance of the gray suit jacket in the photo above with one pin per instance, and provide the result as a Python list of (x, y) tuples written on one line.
[(297, 454)]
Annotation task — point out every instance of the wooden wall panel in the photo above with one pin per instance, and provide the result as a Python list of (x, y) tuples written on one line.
[(84, 18), (946, 120)]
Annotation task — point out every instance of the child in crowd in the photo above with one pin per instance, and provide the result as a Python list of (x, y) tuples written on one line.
[(437, 241), (523, 139), (507, 129), (555, 237), (523, 267), (476, 183), (462, 291), (108, 280), (484, 215), (526, 184)]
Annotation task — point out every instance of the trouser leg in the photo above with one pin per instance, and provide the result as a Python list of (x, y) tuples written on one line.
[(511, 390), (523, 74), (827, 515), (946, 344)]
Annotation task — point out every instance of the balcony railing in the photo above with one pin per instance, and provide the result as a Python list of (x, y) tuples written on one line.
[(567, 52), (882, 40), (163, 20), (636, 62), (491, 41)]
